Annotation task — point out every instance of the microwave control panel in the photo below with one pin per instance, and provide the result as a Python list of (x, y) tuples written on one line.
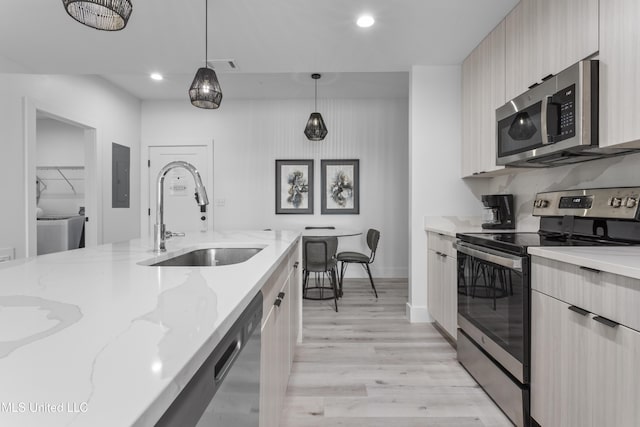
[(564, 104)]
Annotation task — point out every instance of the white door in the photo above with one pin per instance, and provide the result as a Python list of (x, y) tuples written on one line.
[(181, 212)]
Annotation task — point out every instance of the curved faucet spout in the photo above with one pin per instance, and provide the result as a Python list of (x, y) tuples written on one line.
[(159, 232)]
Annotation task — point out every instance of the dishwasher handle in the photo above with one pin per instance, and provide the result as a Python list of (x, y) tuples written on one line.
[(227, 358)]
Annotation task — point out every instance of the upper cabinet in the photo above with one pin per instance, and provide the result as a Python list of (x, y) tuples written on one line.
[(544, 37), (536, 39), (483, 77), (619, 73)]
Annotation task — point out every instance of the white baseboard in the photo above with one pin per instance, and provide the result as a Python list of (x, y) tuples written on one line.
[(417, 314)]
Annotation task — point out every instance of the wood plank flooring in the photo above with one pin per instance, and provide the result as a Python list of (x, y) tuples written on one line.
[(367, 366)]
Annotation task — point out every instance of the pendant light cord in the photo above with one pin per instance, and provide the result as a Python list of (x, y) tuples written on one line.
[(316, 98), (206, 32)]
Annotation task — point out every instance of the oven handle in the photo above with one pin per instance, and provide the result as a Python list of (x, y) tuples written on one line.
[(495, 257)]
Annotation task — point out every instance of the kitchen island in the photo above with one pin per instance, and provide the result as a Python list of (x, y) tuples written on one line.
[(91, 337)]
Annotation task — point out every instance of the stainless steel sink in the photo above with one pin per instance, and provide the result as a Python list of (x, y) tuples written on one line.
[(209, 257)]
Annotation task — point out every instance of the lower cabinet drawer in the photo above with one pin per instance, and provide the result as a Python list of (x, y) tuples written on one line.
[(441, 243), (611, 296)]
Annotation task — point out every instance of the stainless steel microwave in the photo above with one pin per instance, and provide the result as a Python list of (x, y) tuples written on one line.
[(554, 122)]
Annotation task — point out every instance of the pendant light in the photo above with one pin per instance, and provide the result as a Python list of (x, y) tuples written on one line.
[(316, 130), (205, 91), (108, 15)]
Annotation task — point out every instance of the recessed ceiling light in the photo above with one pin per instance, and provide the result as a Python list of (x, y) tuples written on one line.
[(156, 76), (365, 21)]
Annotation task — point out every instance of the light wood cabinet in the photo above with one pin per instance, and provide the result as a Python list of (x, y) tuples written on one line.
[(483, 91), (442, 285), (546, 36), (583, 372), (619, 73), (280, 332)]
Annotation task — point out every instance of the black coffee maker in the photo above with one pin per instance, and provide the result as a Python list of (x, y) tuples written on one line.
[(498, 211)]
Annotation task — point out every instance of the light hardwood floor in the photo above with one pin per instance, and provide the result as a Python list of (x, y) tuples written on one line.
[(367, 366)]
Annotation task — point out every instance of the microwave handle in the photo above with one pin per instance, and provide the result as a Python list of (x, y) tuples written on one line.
[(544, 110)]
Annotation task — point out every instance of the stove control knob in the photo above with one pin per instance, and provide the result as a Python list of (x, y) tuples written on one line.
[(631, 202), (610, 201), (617, 202), (544, 203), (536, 203)]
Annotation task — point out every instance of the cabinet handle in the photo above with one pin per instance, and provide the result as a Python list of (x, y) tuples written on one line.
[(547, 77), (281, 295), (578, 310), (605, 321), (277, 302), (592, 270), (295, 264)]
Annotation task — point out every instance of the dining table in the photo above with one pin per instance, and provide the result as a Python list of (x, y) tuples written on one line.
[(330, 232)]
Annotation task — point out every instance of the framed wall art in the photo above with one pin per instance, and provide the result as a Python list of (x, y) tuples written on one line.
[(294, 186), (340, 186)]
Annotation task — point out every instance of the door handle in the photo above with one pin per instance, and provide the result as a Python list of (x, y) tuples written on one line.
[(281, 295)]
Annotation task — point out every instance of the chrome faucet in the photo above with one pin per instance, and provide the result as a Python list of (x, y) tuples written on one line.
[(160, 235)]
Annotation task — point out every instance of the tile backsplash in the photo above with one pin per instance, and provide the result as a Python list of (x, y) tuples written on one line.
[(621, 171)]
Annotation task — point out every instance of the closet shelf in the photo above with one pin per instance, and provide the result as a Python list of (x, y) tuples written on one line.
[(64, 177)]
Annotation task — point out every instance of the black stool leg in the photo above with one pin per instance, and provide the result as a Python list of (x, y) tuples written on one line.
[(305, 282), (343, 270), (334, 281), (371, 279)]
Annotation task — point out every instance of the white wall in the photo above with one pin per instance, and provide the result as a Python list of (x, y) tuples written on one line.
[(60, 144), (249, 135), (116, 117), (434, 168)]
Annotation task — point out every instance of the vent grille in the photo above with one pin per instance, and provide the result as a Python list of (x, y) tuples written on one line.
[(223, 65)]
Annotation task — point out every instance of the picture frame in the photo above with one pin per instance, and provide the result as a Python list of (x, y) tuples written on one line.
[(294, 187), (340, 187)]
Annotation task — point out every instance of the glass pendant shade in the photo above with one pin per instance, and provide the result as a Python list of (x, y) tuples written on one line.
[(108, 15), (205, 91), (315, 130)]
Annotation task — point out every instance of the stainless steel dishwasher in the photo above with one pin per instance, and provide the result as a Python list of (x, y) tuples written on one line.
[(225, 391)]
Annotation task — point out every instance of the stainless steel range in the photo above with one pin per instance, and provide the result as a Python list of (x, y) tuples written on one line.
[(494, 286)]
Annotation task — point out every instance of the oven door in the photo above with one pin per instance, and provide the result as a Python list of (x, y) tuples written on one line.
[(493, 305)]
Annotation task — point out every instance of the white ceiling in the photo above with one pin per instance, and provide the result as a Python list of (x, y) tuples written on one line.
[(275, 43)]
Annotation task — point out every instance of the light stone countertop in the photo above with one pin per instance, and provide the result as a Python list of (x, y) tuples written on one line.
[(622, 260), (91, 338), (450, 225)]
